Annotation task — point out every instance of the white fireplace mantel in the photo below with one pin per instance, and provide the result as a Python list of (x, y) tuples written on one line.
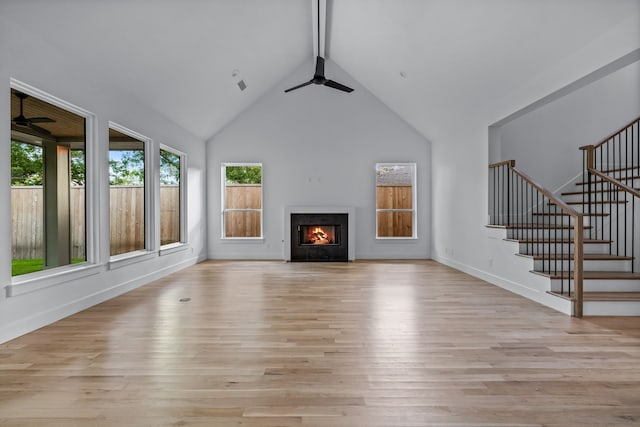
[(349, 210)]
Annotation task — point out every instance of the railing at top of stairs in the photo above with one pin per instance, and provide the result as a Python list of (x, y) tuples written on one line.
[(551, 231), (611, 168)]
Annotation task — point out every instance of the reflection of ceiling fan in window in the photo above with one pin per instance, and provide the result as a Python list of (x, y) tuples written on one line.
[(21, 120)]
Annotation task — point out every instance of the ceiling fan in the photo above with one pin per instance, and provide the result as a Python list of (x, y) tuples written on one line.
[(318, 76), (21, 120)]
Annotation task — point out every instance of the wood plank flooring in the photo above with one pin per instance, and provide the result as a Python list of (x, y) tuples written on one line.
[(407, 343)]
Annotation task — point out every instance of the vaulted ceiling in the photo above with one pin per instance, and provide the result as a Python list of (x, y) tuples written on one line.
[(420, 57)]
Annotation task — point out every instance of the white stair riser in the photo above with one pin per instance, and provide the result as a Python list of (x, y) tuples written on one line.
[(541, 233), (563, 220), (604, 285), (611, 308), (609, 215), (560, 248), (588, 265), (606, 209), (598, 185), (604, 195)]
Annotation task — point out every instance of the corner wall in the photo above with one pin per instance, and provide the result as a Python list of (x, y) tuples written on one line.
[(318, 147), (545, 142), (461, 155)]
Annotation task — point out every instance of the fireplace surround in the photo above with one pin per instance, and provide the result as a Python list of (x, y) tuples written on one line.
[(313, 233), (319, 237)]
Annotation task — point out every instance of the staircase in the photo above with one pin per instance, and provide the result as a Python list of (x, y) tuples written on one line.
[(584, 244)]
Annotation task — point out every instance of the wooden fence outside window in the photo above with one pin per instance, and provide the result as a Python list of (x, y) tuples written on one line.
[(127, 207)]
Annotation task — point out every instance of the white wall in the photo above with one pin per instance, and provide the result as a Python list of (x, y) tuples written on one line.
[(545, 142), (34, 61), (319, 147), (460, 153)]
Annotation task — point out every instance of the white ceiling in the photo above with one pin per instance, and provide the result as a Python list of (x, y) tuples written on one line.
[(178, 56)]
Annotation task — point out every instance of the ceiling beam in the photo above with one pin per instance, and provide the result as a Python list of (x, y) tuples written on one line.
[(323, 26)]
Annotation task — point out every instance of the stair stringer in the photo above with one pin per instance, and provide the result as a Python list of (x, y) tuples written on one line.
[(513, 273)]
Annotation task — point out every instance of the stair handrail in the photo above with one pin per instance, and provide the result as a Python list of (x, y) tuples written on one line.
[(614, 181), (578, 227), (608, 138), (590, 156), (614, 161), (590, 167)]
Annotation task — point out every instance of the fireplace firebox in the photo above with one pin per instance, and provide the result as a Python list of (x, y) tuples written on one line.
[(319, 237)]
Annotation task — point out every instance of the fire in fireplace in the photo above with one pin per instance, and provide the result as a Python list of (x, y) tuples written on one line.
[(319, 237)]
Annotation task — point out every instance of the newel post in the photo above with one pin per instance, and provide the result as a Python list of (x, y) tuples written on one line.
[(578, 264), (590, 159)]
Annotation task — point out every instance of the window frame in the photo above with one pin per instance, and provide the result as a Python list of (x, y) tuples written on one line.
[(414, 200), (182, 209), (149, 239), (49, 277), (223, 210)]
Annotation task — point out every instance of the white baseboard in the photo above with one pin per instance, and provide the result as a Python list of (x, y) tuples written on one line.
[(543, 298), (38, 320), (243, 256)]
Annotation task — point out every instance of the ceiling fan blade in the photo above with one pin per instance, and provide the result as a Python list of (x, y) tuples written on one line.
[(20, 121), (39, 129), (41, 120), (319, 67), (299, 86), (338, 86)]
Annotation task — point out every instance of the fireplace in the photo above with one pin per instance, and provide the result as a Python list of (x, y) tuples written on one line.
[(319, 237)]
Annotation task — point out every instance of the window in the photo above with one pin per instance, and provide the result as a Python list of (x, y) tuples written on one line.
[(241, 200), (128, 192), (48, 209), (395, 200), (172, 197)]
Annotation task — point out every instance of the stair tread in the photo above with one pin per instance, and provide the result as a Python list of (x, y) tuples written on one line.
[(594, 275), (603, 296), (621, 169), (559, 241), (543, 226), (595, 202), (566, 214), (587, 257), (577, 193), (600, 181)]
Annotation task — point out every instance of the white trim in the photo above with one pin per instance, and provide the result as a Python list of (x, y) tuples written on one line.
[(149, 192), (560, 304), (171, 248), (50, 277), (223, 192), (38, 280), (30, 323), (182, 185), (128, 258), (414, 203)]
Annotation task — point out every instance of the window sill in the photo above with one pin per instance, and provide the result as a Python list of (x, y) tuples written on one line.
[(173, 248), (242, 239), (21, 285), (122, 260), (397, 238)]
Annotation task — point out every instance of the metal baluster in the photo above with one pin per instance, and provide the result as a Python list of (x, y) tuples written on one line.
[(509, 196)]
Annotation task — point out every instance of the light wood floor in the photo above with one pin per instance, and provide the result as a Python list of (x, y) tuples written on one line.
[(290, 344)]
